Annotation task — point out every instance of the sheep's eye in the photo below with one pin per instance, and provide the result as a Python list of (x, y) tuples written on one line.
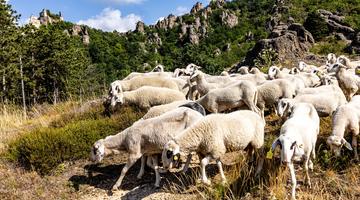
[(169, 154), (94, 151)]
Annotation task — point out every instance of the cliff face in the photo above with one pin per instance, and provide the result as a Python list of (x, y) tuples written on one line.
[(45, 18)]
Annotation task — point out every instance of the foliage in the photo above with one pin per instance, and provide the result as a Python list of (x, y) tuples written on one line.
[(46, 148), (316, 25), (329, 45)]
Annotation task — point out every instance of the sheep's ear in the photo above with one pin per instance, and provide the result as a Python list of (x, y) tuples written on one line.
[(275, 143), (184, 117), (346, 144), (293, 145)]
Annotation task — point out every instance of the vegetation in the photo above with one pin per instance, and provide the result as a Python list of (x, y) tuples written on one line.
[(68, 139)]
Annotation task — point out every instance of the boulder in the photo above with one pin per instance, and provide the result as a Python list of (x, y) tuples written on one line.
[(196, 8)]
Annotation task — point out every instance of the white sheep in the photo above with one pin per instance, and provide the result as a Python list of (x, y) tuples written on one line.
[(158, 68), (254, 75), (202, 85), (346, 117), (347, 62), (275, 73), (230, 97), (271, 91), (348, 81), (213, 136), (244, 70), (147, 96), (145, 138), (303, 67), (331, 59), (325, 103), (297, 140), (160, 109)]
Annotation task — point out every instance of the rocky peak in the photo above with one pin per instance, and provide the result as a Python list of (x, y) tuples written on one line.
[(167, 23), (229, 19), (218, 3), (78, 30), (140, 27), (196, 8), (336, 23)]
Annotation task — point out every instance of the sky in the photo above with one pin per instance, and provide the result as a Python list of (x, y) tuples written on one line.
[(108, 15)]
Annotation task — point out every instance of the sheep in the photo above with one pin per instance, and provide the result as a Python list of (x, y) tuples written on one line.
[(325, 103), (346, 117), (158, 68), (331, 59), (303, 67), (271, 91), (159, 110), (348, 82), (328, 79), (275, 73), (152, 73), (233, 96), (297, 140), (212, 136), (244, 70), (321, 89), (147, 96), (145, 137), (255, 76), (202, 85), (346, 62)]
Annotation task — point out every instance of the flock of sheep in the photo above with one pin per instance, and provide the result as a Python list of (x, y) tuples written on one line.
[(178, 122)]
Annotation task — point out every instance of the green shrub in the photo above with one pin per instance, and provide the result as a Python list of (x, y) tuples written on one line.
[(316, 25), (330, 45), (44, 149)]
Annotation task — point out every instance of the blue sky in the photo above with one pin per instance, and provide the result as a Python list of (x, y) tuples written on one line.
[(106, 14)]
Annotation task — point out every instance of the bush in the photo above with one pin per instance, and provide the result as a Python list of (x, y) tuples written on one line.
[(44, 149), (316, 25)]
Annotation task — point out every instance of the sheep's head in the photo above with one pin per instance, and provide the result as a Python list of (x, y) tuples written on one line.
[(283, 107), (191, 68), (197, 74), (158, 68), (294, 70), (343, 60), (97, 151), (331, 59), (171, 154), (336, 142), (302, 65), (116, 93), (290, 149), (273, 71), (244, 70)]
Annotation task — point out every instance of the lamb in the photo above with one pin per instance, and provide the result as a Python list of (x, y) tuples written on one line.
[(271, 91), (346, 117), (348, 82), (147, 96), (297, 140), (233, 96), (159, 110), (145, 137), (214, 135), (325, 103)]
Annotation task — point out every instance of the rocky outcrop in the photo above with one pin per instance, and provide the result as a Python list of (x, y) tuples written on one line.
[(155, 39), (217, 3), (289, 42), (354, 47), (193, 36), (167, 23), (78, 30), (140, 27), (336, 23), (196, 8), (229, 19)]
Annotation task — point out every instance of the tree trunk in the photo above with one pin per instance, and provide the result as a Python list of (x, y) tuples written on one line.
[(4, 101), (22, 88)]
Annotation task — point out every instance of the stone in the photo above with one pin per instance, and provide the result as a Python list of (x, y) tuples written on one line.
[(196, 8), (140, 27), (229, 19)]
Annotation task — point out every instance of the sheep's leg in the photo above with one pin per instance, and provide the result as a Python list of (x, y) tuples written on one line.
[(131, 161), (156, 168), (261, 161), (354, 145), (311, 165), (293, 180), (186, 166), (306, 166), (204, 162), (219, 165), (142, 168)]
